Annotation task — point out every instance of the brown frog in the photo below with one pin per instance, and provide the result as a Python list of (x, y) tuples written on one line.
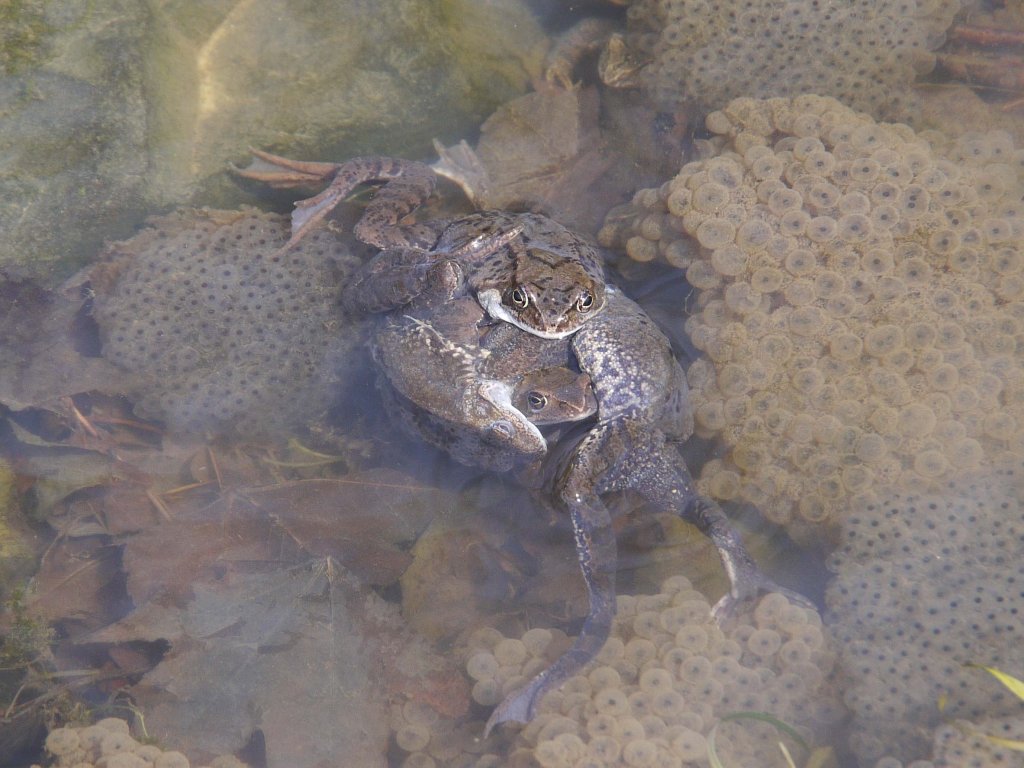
[(541, 277), (480, 407)]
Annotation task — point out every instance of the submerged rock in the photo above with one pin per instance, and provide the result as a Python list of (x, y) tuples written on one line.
[(114, 109)]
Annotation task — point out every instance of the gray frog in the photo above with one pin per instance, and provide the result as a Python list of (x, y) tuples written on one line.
[(522, 268)]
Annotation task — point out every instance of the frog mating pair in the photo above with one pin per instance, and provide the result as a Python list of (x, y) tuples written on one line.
[(561, 342)]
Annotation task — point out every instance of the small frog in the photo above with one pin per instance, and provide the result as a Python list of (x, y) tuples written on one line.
[(541, 277), (480, 407)]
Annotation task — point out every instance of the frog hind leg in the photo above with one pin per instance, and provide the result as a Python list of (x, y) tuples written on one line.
[(597, 553), (409, 184), (661, 477)]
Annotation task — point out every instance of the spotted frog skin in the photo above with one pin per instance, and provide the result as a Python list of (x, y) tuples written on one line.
[(482, 408), (541, 277)]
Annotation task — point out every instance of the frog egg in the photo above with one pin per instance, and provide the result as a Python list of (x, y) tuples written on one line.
[(690, 746), (710, 197), (806, 321), (485, 638), (116, 742), (536, 640), (770, 610), (846, 346), (783, 200), (854, 227), (794, 223), (482, 666), (823, 195), (655, 680), (799, 292), (641, 249), (1006, 261), (715, 233), (931, 463), (612, 701), (412, 738), (883, 340), (742, 299), (62, 741), (793, 652), (1000, 425), (767, 166), (764, 642), (640, 753), (943, 377), (605, 749), (807, 381), (753, 235), (563, 751), (668, 704), (604, 677), (965, 453), (628, 728), (915, 420), (648, 625), (639, 651), (821, 229), (819, 163), (510, 652)]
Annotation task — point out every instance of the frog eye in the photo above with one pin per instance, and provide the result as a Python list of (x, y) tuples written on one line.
[(536, 401), (520, 299), (502, 429), (585, 302)]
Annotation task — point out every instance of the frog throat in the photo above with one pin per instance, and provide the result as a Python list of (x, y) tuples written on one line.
[(490, 300)]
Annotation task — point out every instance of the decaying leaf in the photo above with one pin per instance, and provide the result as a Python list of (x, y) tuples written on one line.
[(79, 584)]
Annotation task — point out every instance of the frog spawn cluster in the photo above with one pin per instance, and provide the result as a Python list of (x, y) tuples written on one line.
[(860, 302), (109, 744), (865, 54), (220, 327), (924, 584), (663, 679)]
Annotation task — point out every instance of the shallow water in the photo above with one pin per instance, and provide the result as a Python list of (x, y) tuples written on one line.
[(322, 589)]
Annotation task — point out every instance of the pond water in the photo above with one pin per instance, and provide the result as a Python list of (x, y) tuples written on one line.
[(216, 534)]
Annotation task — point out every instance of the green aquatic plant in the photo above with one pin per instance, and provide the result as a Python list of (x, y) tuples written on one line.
[(1016, 687), (763, 717), (25, 638)]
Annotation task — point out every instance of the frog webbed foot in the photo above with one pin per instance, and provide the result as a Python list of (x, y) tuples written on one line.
[(750, 588), (746, 580), (519, 706)]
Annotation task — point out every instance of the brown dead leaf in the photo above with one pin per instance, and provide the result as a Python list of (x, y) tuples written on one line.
[(164, 562), (357, 519), (262, 654), (78, 585), (38, 360)]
